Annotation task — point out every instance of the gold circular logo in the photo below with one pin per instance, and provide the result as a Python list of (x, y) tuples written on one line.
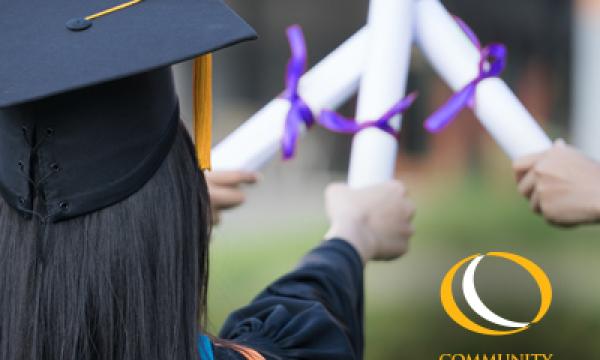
[(474, 301)]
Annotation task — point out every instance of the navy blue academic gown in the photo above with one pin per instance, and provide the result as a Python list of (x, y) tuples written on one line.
[(314, 312)]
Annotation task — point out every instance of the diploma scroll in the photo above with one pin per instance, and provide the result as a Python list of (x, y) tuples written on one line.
[(373, 157), (387, 46), (456, 59), (326, 86)]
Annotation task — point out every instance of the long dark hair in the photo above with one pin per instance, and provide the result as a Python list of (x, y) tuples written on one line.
[(126, 282)]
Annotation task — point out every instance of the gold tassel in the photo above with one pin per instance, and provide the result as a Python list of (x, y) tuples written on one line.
[(203, 113)]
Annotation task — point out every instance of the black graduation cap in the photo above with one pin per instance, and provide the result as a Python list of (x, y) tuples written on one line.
[(88, 110)]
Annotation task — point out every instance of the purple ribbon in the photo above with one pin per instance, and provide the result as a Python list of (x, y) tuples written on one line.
[(299, 113), (492, 64), (337, 123)]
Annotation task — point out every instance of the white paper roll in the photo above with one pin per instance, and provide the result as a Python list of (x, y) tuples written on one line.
[(456, 59), (383, 83), (326, 86), (586, 80)]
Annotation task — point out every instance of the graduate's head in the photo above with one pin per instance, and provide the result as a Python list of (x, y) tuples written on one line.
[(104, 210), (127, 281)]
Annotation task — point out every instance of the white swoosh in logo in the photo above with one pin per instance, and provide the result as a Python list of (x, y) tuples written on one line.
[(474, 301)]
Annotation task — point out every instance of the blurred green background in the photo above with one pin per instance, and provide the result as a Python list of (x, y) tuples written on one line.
[(462, 183), (404, 318)]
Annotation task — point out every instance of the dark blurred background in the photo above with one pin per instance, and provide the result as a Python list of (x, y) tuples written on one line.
[(461, 181)]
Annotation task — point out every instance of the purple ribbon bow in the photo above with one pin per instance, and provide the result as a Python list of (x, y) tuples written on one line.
[(337, 123), (492, 64), (299, 113)]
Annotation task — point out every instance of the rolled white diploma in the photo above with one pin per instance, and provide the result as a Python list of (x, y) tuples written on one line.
[(373, 157), (456, 60), (326, 86)]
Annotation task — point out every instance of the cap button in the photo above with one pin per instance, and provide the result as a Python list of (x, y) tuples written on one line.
[(78, 24)]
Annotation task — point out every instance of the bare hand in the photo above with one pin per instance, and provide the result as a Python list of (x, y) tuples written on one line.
[(375, 220), (561, 184), (224, 190)]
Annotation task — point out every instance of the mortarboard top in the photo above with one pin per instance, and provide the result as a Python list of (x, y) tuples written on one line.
[(88, 110), (40, 56)]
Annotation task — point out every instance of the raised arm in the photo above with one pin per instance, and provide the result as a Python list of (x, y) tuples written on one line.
[(316, 311)]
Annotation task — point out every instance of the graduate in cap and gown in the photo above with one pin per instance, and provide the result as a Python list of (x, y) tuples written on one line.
[(104, 210)]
